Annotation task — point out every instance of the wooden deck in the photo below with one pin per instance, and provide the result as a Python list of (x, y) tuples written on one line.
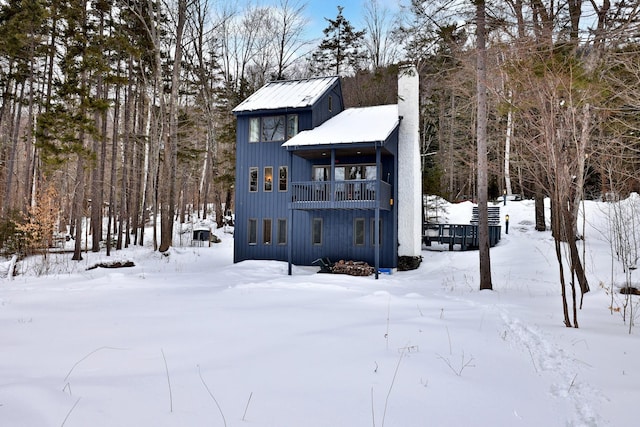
[(465, 235)]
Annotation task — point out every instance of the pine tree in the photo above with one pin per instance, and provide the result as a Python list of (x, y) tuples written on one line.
[(341, 51)]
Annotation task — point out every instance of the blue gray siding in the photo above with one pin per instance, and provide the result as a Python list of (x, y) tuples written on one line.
[(338, 224)]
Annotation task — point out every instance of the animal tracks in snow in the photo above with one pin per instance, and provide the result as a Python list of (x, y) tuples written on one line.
[(550, 360)]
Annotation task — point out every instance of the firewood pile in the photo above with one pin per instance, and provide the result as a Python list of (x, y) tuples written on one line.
[(353, 268)]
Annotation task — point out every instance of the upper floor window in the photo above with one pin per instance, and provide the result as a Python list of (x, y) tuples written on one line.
[(273, 128), (330, 102), (292, 125), (321, 173), (283, 178), (355, 172), (254, 129), (253, 179), (268, 178)]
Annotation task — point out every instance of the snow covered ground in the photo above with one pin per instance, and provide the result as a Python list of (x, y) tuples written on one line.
[(190, 339)]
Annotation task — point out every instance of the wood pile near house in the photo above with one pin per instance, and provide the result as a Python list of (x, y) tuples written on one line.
[(353, 268)]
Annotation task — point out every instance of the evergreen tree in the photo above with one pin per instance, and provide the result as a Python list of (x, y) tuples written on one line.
[(341, 51)]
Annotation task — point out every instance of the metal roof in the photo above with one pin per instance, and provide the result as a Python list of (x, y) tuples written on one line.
[(354, 125), (287, 94)]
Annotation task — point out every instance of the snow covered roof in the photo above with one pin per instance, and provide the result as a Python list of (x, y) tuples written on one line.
[(287, 94), (368, 124)]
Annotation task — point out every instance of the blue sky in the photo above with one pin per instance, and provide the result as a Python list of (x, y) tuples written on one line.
[(317, 10)]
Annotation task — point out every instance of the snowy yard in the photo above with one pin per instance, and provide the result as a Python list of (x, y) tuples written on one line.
[(190, 339)]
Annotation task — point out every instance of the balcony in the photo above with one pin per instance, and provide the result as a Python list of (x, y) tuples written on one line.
[(353, 194)]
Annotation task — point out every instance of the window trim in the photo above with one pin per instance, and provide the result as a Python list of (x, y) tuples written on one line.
[(281, 225), (252, 231), (290, 124), (267, 185), (373, 232), (286, 178), (315, 221), (276, 119), (267, 231), (253, 188), (289, 121), (254, 133), (362, 222)]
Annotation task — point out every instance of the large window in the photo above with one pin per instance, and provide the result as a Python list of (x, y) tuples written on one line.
[(358, 231), (268, 178), (316, 231), (253, 179), (253, 231), (283, 178), (266, 231), (282, 231), (273, 128)]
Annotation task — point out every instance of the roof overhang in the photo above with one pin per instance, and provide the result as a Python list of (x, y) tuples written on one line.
[(349, 150), (286, 94), (354, 130)]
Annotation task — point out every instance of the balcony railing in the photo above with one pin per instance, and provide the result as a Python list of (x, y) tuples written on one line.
[(353, 194)]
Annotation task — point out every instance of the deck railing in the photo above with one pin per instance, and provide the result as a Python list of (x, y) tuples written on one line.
[(352, 194)]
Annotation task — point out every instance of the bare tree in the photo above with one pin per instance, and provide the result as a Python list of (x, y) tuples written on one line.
[(481, 141), (379, 24), (288, 26), (171, 147)]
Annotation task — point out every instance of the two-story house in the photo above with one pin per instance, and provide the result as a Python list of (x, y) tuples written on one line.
[(314, 180)]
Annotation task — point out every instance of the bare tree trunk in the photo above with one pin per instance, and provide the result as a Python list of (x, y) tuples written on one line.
[(78, 207), (11, 164), (171, 149), (507, 149), (112, 178), (137, 222), (541, 224), (483, 214)]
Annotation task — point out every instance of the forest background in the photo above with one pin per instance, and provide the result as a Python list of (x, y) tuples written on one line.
[(120, 111)]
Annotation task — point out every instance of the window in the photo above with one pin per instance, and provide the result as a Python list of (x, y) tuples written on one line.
[(292, 125), (266, 231), (253, 231), (358, 232), (364, 171), (330, 101), (254, 129), (283, 178), (320, 173), (316, 231), (253, 179), (268, 178), (273, 128), (282, 231), (373, 231)]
